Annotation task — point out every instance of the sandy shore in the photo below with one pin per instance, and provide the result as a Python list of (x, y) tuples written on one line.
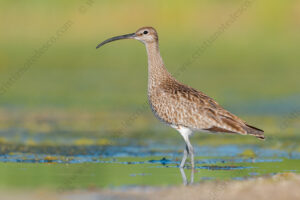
[(283, 186)]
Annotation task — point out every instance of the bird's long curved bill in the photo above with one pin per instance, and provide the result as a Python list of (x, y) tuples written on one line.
[(127, 36)]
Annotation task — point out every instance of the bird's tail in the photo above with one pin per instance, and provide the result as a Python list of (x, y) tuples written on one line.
[(251, 130)]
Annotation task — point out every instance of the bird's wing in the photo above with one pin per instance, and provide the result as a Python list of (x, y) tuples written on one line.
[(188, 107)]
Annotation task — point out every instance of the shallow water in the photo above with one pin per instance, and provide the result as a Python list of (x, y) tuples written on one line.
[(124, 166)]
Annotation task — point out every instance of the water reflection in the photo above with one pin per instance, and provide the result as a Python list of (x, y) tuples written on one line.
[(184, 179)]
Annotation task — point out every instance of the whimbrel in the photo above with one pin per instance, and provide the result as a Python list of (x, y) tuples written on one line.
[(180, 106)]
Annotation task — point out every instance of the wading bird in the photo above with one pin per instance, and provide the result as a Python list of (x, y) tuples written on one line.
[(180, 106)]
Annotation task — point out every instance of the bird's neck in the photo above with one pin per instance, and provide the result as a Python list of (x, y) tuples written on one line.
[(156, 69)]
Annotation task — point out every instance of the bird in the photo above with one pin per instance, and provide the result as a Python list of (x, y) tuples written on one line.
[(180, 106)]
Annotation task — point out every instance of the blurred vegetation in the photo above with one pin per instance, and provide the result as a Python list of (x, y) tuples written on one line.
[(75, 95), (255, 60)]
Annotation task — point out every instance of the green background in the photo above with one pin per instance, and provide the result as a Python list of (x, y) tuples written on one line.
[(75, 94)]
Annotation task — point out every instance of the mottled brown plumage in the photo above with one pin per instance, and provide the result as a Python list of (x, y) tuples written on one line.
[(180, 106)]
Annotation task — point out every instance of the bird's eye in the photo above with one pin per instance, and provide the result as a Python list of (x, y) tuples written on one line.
[(145, 32)]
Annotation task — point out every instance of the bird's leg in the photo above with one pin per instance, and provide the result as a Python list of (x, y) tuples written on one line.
[(185, 133), (184, 180), (192, 176), (190, 151), (185, 154)]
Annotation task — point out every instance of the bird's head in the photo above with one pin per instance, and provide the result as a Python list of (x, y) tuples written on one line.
[(145, 34)]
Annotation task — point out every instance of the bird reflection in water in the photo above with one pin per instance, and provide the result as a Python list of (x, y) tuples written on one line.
[(184, 179)]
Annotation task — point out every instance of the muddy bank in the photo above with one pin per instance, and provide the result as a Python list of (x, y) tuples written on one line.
[(281, 186)]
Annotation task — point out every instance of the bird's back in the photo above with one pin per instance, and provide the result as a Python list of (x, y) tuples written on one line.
[(180, 105)]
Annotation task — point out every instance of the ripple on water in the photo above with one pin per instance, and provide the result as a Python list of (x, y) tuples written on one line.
[(95, 154), (150, 165)]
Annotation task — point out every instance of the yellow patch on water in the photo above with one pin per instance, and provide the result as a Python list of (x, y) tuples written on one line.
[(50, 158), (248, 153), (84, 141), (103, 142)]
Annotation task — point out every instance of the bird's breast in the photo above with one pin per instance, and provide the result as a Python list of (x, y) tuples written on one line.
[(158, 107)]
